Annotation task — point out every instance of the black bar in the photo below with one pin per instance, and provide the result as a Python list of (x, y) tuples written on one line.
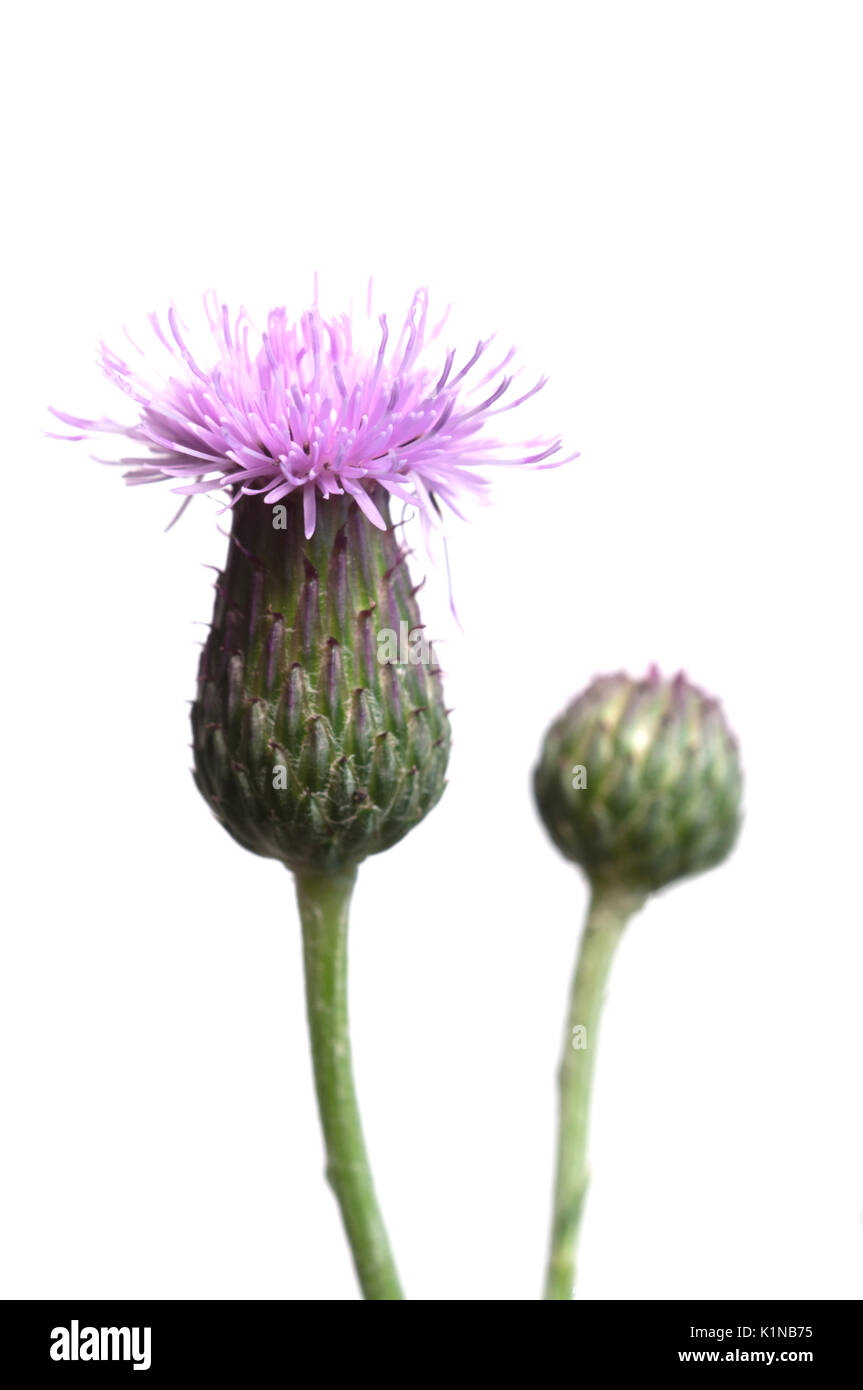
[(239, 1341)]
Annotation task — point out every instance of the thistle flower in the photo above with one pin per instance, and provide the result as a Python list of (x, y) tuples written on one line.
[(639, 783), (314, 744), (299, 409)]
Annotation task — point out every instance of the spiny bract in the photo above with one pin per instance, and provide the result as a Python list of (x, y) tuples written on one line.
[(311, 744)]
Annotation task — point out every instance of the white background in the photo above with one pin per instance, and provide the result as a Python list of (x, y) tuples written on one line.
[(661, 205)]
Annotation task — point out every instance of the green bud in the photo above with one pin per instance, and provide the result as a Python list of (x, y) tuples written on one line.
[(639, 782), (319, 730)]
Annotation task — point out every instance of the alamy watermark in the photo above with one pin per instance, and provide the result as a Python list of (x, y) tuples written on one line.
[(407, 647), (76, 1343)]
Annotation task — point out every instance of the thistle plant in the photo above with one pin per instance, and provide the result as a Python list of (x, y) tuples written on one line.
[(314, 744), (639, 783)]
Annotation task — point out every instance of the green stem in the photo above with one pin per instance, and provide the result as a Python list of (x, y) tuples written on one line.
[(609, 911), (324, 900)]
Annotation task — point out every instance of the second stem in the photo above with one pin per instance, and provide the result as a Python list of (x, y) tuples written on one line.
[(610, 910)]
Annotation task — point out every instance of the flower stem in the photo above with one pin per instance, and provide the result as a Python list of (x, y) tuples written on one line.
[(324, 899), (610, 910)]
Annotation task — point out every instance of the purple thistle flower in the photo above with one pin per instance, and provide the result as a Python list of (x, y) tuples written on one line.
[(313, 743), (300, 407)]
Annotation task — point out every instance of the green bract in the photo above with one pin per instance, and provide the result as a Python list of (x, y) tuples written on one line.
[(320, 732), (639, 782)]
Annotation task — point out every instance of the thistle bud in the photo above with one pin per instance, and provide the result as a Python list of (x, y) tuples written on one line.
[(639, 781), (320, 732)]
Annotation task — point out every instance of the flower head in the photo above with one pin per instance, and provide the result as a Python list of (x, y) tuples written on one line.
[(639, 781), (299, 407)]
